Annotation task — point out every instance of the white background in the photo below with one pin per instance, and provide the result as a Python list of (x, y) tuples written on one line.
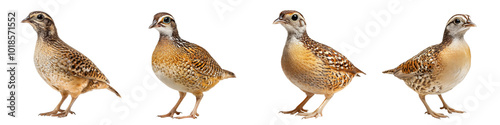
[(242, 38)]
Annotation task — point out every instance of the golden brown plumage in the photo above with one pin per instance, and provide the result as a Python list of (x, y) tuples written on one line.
[(61, 66), (183, 66), (440, 67), (313, 67)]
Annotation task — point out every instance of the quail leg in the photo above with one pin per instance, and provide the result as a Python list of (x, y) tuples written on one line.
[(68, 110), (58, 107), (429, 111), (300, 107), (318, 112), (445, 106), (174, 109), (194, 113)]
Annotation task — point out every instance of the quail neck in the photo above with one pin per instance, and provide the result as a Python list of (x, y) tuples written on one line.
[(167, 32)]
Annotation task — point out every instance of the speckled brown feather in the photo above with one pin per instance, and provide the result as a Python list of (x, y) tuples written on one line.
[(423, 63), (201, 60), (317, 68), (329, 56), (419, 71), (79, 65)]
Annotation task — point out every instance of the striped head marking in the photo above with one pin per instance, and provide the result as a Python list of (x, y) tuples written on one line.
[(458, 24), (164, 23), (40, 21), (292, 20)]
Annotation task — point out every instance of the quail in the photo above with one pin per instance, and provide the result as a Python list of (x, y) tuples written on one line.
[(313, 67), (439, 68), (183, 66), (61, 66)]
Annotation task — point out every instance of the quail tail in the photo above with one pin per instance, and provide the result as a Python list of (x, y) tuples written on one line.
[(114, 91), (101, 85), (391, 71), (228, 74), (359, 72)]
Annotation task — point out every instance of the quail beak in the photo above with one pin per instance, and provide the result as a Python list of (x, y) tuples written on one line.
[(26, 20), (470, 24), (278, 21), (153, 25)]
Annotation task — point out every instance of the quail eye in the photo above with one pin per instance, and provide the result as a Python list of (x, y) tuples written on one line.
[(166, 20), (457, 21), (295, 17), (39, 17)]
